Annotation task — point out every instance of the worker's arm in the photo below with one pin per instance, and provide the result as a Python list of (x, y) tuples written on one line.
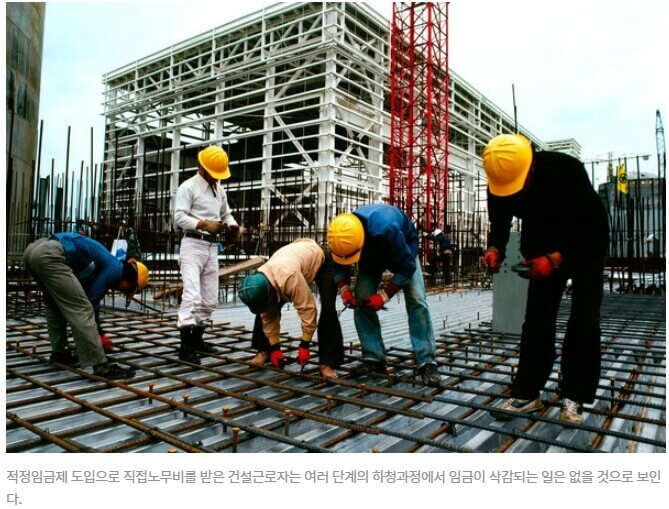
[(226, 212), (297, 291), (182, 206), (340, 273), (103, 280), (500, 215), (271, 324), (403, 260)]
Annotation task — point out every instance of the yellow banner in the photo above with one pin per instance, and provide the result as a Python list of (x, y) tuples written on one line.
[(623, 185)]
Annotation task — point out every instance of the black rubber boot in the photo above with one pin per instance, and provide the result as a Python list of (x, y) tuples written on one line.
[(67, 357), (187, 347), (113, 371), (430, 375), (368, 367), (199, 343)]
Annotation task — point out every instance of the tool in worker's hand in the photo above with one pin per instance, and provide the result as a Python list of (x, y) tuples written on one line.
[(520, 268)]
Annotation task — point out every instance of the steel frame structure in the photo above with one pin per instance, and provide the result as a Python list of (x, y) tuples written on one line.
[(298, 95), (295, 94)]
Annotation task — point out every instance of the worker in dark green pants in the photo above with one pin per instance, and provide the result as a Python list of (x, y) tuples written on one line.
[(74, 273)]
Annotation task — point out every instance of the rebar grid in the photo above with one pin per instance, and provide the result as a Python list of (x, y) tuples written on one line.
[(228, 404)]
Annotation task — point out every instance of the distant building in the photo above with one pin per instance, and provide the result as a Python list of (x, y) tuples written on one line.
[(567, 146), (636, 219)]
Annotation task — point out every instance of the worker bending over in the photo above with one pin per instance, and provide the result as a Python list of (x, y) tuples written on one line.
[(75, 272), (380, 237), (564, 235), (202, 212), (286, 278)]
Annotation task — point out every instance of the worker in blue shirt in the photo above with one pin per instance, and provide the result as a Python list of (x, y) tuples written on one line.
[(381, 237), (75, 272)]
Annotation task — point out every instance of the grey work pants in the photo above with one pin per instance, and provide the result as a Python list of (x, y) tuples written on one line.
[(66, 301)]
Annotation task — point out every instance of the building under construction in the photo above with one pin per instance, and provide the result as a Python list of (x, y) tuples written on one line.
[(300, 97)]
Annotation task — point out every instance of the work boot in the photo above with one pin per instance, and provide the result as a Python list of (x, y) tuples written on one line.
[(198, 342), (113, 371), (187, 348), (569, 412), (430, 375), (68, 357), (518, 406), (367, 367)]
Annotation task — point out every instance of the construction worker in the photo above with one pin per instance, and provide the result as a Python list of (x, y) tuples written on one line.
[(75, 272), (444, 251), (380, 237), (286, 278), (564, 235), (202, 212)]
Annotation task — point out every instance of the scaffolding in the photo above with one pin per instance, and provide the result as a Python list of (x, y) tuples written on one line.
[(419, 112)]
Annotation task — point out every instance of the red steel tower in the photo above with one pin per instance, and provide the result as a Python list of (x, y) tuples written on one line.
[(419, 81)]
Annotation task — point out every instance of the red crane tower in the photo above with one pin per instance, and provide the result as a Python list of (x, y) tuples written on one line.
[(419, 82)]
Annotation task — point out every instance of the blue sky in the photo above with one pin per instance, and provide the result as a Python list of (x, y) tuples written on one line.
[(594, 71)]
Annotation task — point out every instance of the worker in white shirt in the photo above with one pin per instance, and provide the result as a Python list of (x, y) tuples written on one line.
[(202, 212)]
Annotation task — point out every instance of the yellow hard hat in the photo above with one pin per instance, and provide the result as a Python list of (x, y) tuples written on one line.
[(506, 160), (345, 238), (215, 160), (142, 275)]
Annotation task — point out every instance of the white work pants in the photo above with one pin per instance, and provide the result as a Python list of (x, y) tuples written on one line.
[(198, 260)]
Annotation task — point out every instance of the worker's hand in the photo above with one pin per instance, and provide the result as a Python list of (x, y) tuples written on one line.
[(303, 353), (375, 302), (542, 266), (107, 345), (232, 232), (277, 359), (347, 297), (209, 226), (491, 259)]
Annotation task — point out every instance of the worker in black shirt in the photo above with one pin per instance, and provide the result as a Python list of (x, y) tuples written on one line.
[(564, 235)]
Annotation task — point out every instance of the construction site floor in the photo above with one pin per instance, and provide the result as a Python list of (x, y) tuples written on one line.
[(229, 405)]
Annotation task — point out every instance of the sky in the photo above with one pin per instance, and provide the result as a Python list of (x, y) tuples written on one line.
[(590, 70)]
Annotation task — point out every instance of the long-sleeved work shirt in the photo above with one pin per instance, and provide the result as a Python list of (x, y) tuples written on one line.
[(196, 199), (290, 271), (391, 243), (93, 265), (560, 211)]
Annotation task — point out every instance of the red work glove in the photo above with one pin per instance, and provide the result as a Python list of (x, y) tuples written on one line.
[(303, 353), (107, 345), (277, 359), (375, 302), (491, 259), (542, 266), (347, 296)]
